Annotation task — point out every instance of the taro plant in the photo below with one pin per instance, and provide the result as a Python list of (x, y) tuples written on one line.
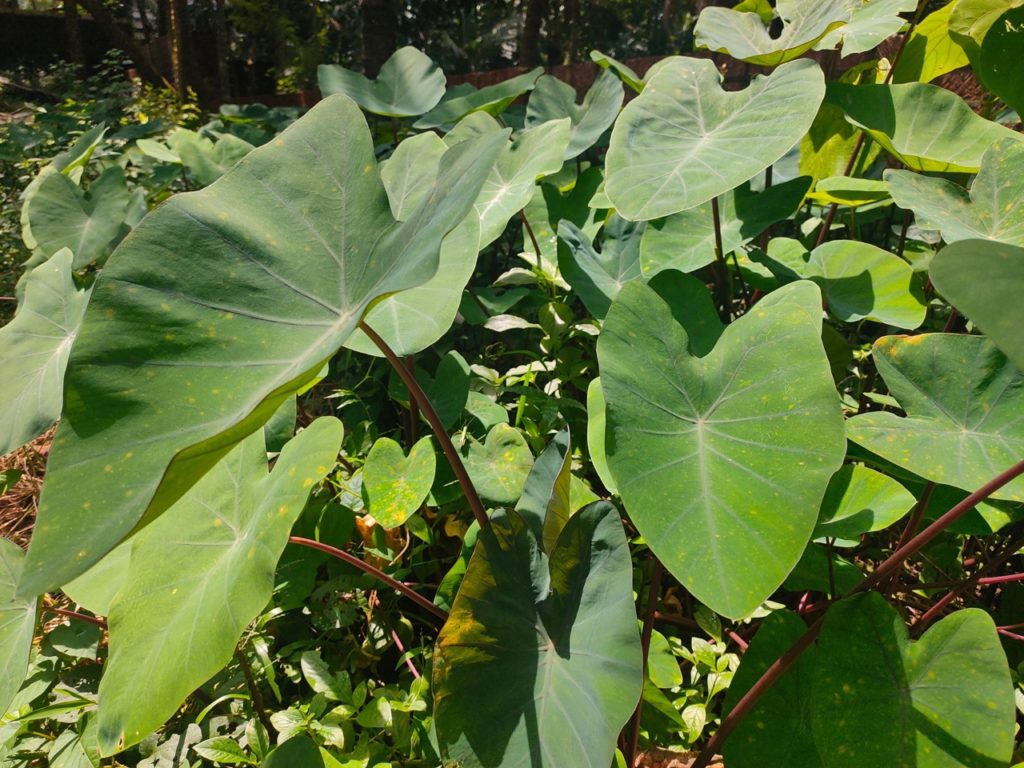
[(689, 424)]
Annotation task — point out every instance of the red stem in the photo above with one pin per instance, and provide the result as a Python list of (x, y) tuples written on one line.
[(401, 649), (880, 575), (417, 394), (76, 615), (365, 567)]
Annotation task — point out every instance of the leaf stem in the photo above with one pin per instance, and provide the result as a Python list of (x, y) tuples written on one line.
[(881, 574), (76, 615), (533, 239), (914, 522), (653, 592), (254, 690), (365, 567), (417, 394)]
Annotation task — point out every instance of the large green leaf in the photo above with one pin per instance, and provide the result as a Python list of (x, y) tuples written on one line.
[(963, 400), (89, 223), (870, 24), (925, 127), (984, 280), (877, 699), (539, 663), (999, 66), (17, 624), (859, 280), (34, 349), (394, 484), (722, 460), (865, 695), (412, 320), (408, 84), (494, 99), (778, 730), (994, 210), (199, 575), (747, 37), (512, 181), (71, 163), (930, 50), (218, 307), (685, 140), (686, 240), (552, 99), (599, 276)]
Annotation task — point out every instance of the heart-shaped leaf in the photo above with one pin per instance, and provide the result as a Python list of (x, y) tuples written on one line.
[(686, 241), (860, 500), (946, 700), (552, 99), (925, 127), (870, 24), (197, 577), (963, 400), (540, 659), (89, 223), (684, 140), (395, 485), (598, 277), (999, 65), (500, 465), (746, 36), (943, 701), (408, 84), (34, 349), (859, 280), (994, 210), (494, 99), (17, 624), (984, 280), (722, 460), (221, 305)]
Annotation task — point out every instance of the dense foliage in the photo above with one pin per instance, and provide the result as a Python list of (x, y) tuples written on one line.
[(724, 394)]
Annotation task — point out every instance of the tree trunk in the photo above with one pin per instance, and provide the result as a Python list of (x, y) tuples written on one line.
[(220, 29), (380, 33), (529, 41), (176, 10), (73, 31), (147, 30), (118, 38)]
